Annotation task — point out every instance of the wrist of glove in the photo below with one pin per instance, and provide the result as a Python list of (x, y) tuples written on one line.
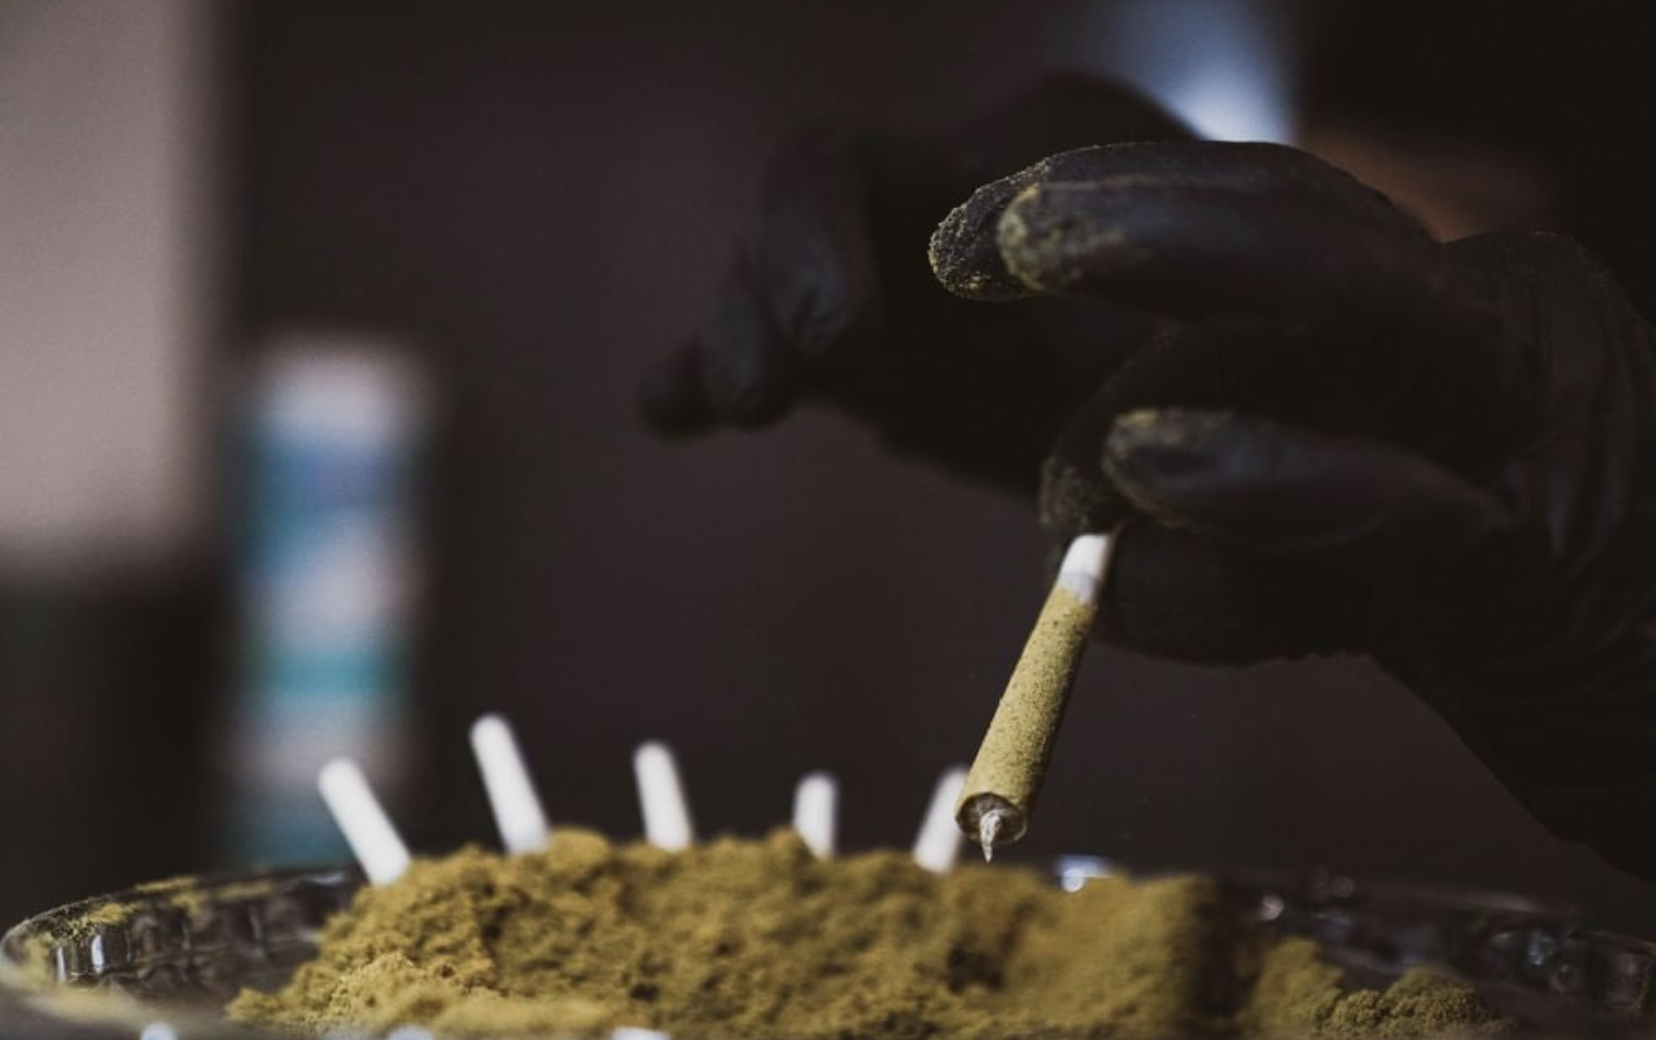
[(1347, 436)]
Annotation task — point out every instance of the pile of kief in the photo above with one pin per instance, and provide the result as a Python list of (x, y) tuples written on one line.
[(746, 939)]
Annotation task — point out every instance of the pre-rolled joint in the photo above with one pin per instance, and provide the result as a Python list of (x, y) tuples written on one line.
[(517, 809), (367, 829), (1011, 762), (815, 810), (661, 798)]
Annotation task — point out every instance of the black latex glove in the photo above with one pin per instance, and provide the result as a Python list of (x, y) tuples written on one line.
[(1351, 437), (831, 301)]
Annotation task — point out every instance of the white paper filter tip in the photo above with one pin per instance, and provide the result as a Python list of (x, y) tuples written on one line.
[(637, 1033), (939, 840), (372, 838), (1085, 563), (661, 798), (816, 806), (158, 1031), (517, 809)]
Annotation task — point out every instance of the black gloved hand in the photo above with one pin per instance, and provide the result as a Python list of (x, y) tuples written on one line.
[(1351, 437), (831, 300)]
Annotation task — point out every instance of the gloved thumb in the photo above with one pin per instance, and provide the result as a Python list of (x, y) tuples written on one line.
[(1361, 508)]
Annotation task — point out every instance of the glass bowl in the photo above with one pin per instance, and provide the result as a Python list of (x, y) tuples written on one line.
[(178, 951)]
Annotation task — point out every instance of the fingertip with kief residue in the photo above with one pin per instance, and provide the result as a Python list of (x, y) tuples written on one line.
[(963, 252), (1052, 242)]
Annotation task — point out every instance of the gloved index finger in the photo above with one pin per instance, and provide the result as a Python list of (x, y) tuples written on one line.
[(963, 252), (967, 261), (1197, 252), (1193, 229)]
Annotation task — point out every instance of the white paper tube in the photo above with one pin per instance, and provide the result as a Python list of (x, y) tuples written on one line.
[(661, 797), (938, 843), (517, 810), (1085, 562), (816, 805), (373, 839)]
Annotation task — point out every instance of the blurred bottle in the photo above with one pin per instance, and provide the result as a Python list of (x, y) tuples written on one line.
[(332, 427)]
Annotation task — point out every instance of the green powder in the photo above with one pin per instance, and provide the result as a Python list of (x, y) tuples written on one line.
[(745, 939)]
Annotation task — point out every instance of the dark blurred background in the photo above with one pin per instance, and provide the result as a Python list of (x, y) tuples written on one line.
[(425, 251)]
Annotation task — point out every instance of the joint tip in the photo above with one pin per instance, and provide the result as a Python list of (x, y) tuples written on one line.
[(989, 828)]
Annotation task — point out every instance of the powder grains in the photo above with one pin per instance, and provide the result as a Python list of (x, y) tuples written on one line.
[(745, 940)]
